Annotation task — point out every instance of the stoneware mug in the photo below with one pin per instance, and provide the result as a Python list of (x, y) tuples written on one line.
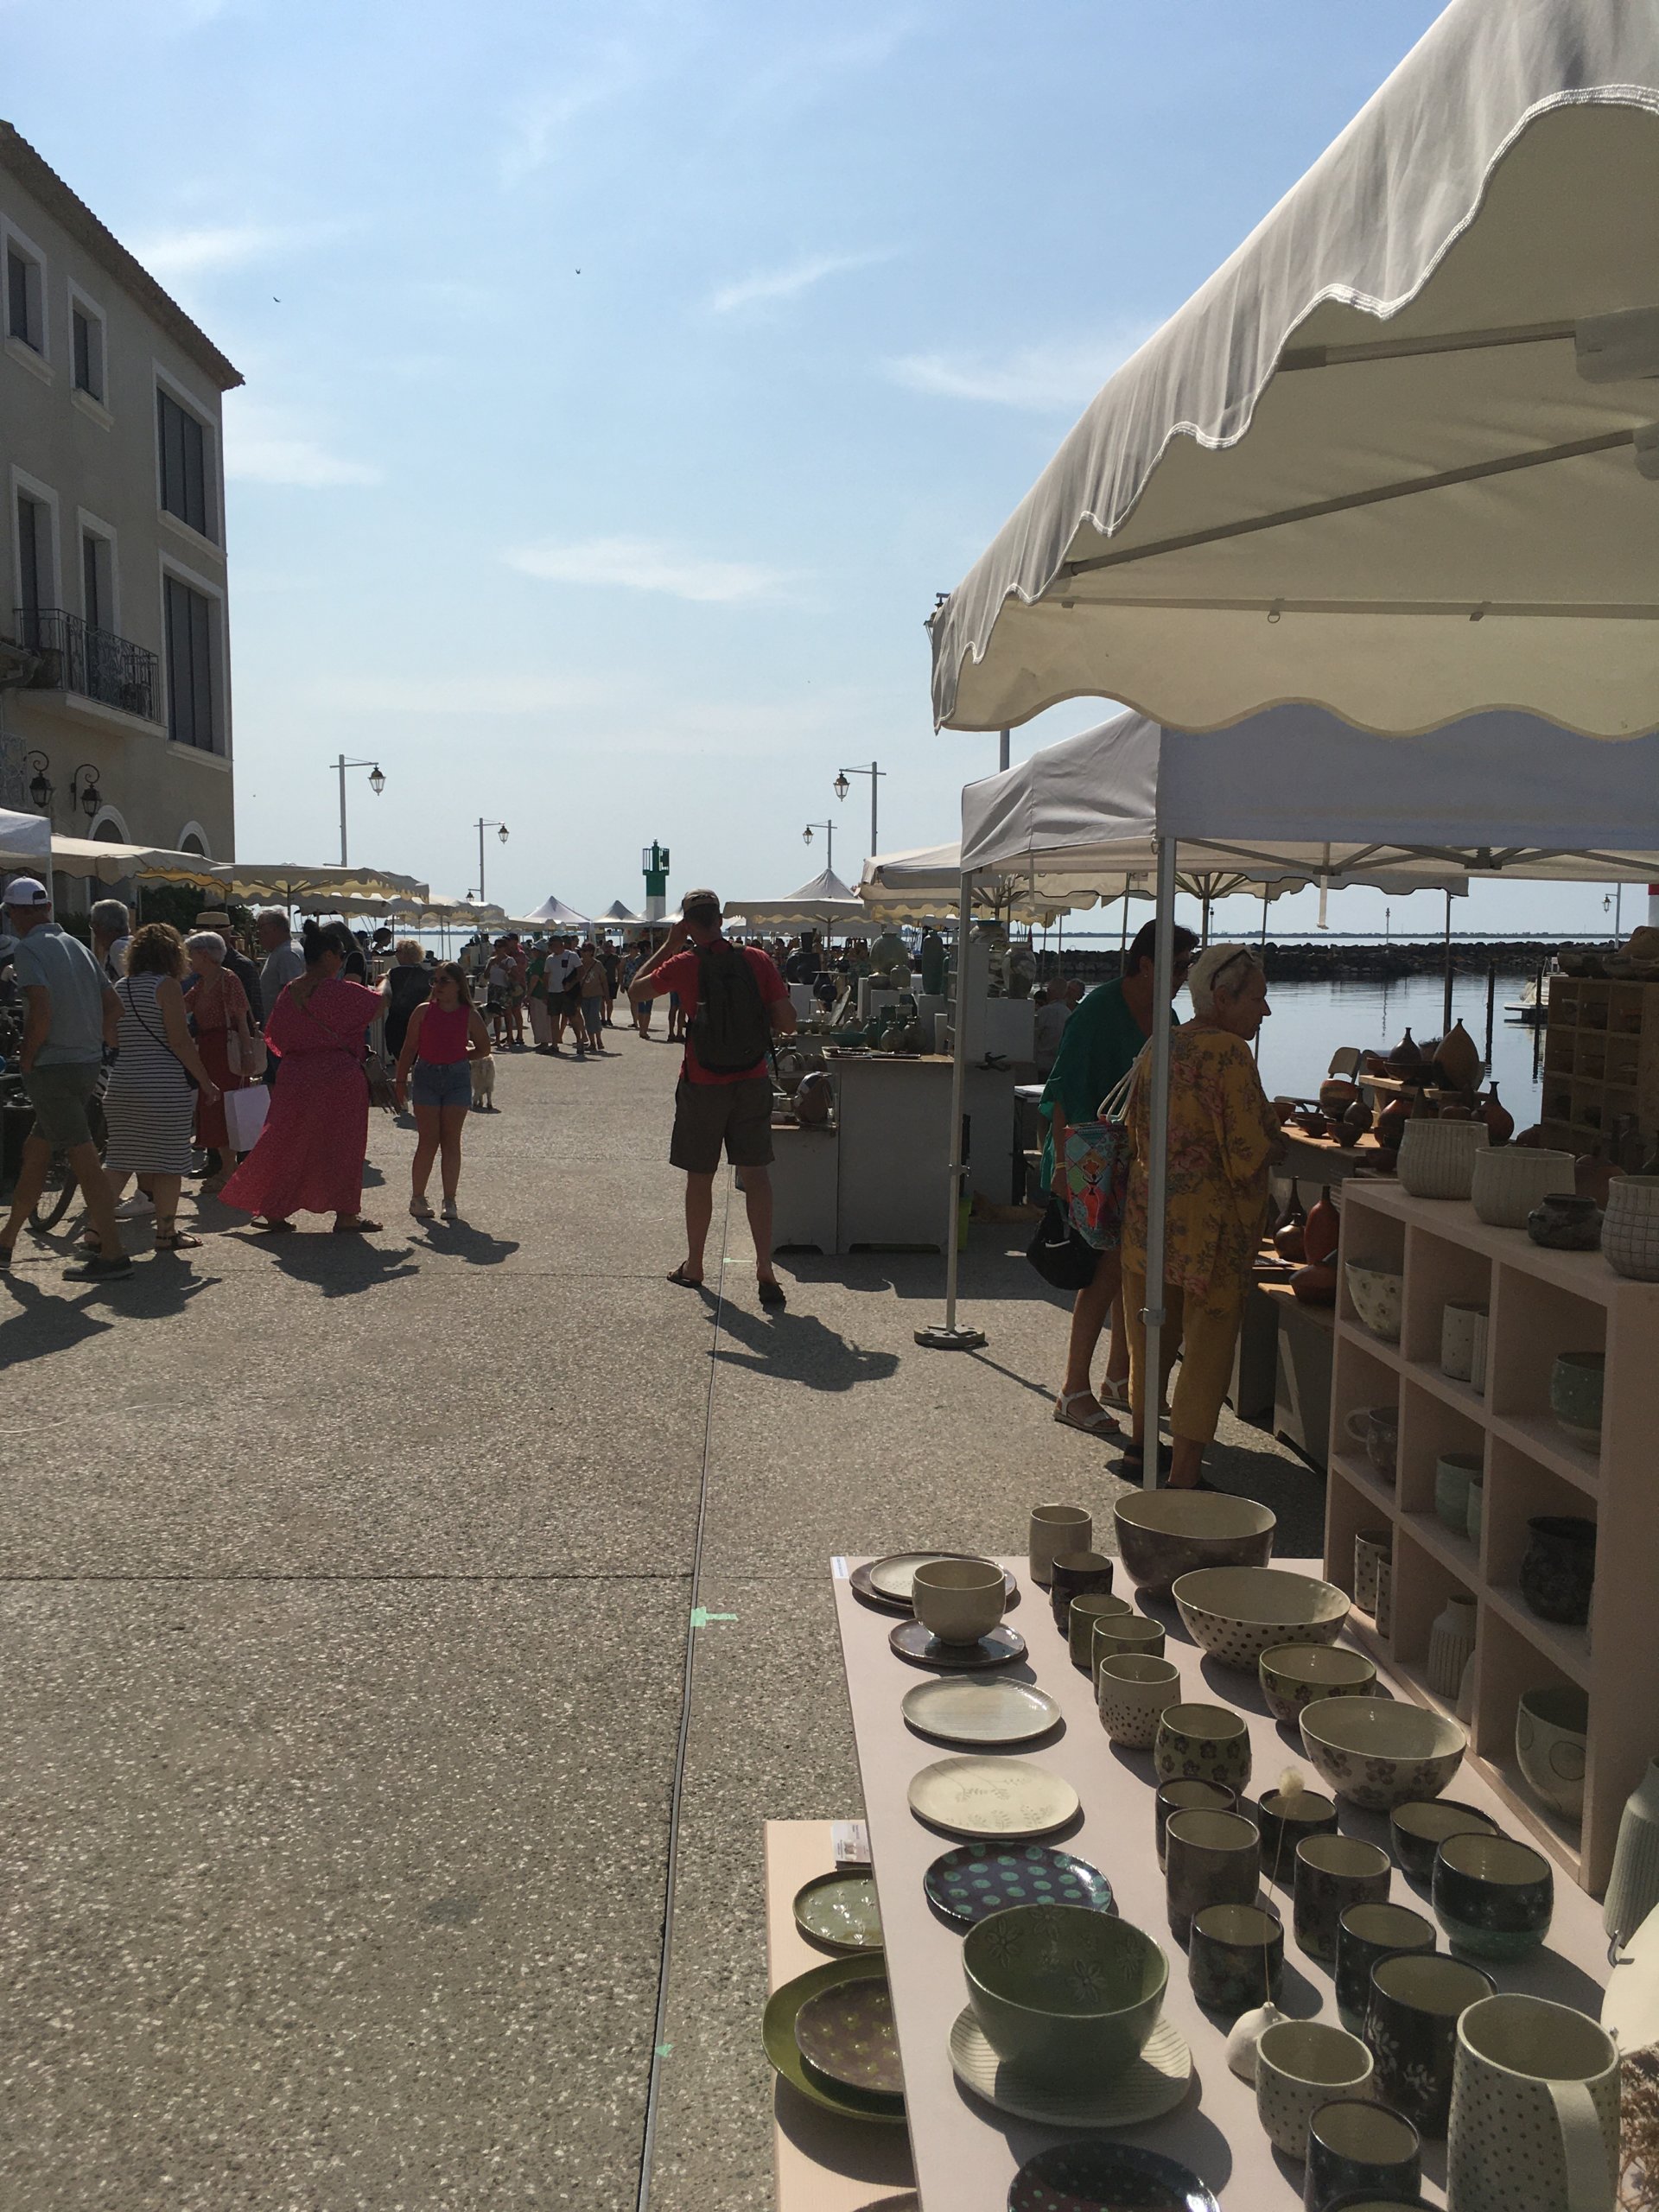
[(1056, 1528), (1202, 1743), (1285, 1820), (1132, 1690), (1333, 1873), (1411, 2025), (1354, 2145), (1208, 1859), (1181, 1795), (1069, 1574), (1127, 1632), (1235, 1958), (1300, 2065), (1534, 2110), (1366, 1933), (959, 1600), (1085, 1611)]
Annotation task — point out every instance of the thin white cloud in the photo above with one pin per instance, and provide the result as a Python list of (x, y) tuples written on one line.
[(268, 445), (645, 564), (207, 249), (1046, 379), (470, 692), (541, 123), (768, 285)]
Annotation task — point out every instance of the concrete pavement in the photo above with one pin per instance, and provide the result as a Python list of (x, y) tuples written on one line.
[(344, 1591)]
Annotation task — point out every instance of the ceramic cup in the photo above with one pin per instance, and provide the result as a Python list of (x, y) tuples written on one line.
[(1575, 1393), (1534, 2110), (1056, 1528), (959, 1600), (1128, 1632), (1202, 1743), (1366, 1933), (1452, 1474), (1070, 1574), (1284, 1820), (1417, 1830), (1371, 1547), (1235, 1958), (1552, 1734), (1300, 2065), (1355, 2147), (1094, 1607), (1208, 1859), (1477, 1357), (1411, 2025), (1458, 1340), (1495, 1897), (1333, 1873), (1377, 1427), (1477, 1508), (1181, 1795), (1383, 1615), (1132, 1689)]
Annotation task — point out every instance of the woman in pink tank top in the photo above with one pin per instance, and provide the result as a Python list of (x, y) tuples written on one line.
[(444, 1035)]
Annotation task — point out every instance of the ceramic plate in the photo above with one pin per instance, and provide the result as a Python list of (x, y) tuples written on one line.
[(839, 1913), (777, 2032), (1155, 2083), (977, 1879), (1106, 2177), (847, 2032), (911, 1642), (959, 1710), (992, 1797), (885, 1582)]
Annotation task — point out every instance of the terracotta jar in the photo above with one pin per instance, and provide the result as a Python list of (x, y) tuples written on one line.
[(1459, 1059), (1406, 1056), (1391, 1123), (1321, 1231), (1500, 1122), (1288, 1237)]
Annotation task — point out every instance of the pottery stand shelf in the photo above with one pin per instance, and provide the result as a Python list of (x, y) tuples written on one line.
[(1542, 1303), (1601, 1061)]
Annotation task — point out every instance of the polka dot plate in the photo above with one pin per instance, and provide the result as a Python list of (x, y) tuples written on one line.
[(977, 1879), (848, 2033), (1106, 2177), (1155, 2083)]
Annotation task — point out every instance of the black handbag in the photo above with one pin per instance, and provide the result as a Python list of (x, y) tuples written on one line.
[(1059, 1254)]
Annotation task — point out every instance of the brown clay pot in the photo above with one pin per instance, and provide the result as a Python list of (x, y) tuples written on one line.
[(1406, 1056), (1321, 1231), (1459, 1056), (1288, 1237), (1457, 1113), (1500, 1122), (1337, 1096), (1391, 1122), (1314, 1286), (1359, 1117)]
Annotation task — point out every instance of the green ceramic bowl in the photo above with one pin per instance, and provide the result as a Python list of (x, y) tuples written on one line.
[(1294, 1675), (1066, 1996)]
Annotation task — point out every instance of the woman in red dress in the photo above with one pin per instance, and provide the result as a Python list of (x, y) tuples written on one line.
[(310, 1153), (219, 1011)]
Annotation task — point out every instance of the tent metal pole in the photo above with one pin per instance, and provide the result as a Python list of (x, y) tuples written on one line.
[(1152, 1313), (1001, 751), (947, 1336), (1445, 1015)]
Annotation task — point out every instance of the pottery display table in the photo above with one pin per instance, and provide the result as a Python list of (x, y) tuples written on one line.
[(966, 2152)]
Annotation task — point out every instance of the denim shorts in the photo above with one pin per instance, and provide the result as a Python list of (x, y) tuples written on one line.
[(442, 1083)]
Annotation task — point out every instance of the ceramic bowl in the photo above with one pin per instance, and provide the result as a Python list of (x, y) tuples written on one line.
[(1064, 1995), (1238, 1613), (1509, 1180), (1551, 1738), (1493, 1897), (1296, 1675), (1202, 1743), (1164, 1533), (1132, 1690), (1376, 1295), (1380, 1752), (1417, 1829), (959, 1600)]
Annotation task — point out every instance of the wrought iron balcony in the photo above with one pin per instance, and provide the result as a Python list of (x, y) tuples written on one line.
[(77, 656)]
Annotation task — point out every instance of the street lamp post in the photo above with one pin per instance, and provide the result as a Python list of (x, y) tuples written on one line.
[(828, 829), (481, 826), (377, 784), (841, 788)]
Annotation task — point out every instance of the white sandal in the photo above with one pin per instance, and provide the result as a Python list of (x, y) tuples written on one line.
[(1116, 1393), (420, 1207), (1096, 1421)]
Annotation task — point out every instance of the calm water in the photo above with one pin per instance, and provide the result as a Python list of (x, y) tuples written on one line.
[(1310, 1021)]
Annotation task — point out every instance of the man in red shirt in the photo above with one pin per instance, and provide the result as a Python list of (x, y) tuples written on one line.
[(733, 1001)]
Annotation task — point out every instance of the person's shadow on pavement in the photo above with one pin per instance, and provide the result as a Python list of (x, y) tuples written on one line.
[(337, 1266), (475, 1246), (797, 1348)]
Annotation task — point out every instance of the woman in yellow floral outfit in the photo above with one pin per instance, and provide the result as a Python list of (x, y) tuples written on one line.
[(1224, 1136)]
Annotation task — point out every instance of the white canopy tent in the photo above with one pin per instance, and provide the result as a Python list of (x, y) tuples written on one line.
[(825, 903), (621, 916), (553, 913), (1397, 455), (923, 886), (25, 841)]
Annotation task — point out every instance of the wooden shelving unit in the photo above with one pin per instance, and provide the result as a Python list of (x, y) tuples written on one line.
[(1542, 1303), (1601, 1060)]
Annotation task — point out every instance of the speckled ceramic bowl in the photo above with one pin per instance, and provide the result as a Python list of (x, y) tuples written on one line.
[(1295, 1675), (1064, 1995), (1238, 1613), (1376, 1294), (1379, 1751), (1164, 1533)]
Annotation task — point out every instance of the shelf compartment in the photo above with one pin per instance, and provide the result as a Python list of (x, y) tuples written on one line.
[(1439, 1272), (1432, 1428), (1510, 1664), (1425, 1576), (1533, 1321)]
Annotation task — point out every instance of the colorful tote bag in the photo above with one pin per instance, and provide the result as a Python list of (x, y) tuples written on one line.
[(1097, 1170)]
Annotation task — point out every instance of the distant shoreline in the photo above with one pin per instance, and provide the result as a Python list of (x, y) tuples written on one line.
[(1356, 959)]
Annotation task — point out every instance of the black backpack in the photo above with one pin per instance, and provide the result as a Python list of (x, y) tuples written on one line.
[(731, 1031)]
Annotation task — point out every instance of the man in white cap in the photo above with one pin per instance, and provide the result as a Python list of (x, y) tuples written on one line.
[(71, 1014)]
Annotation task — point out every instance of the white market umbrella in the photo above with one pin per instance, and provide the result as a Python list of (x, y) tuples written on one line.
[(1397, 455), (296, 884), (25, 841)]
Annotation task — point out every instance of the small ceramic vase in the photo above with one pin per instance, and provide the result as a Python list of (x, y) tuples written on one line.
[(1500, 1122), (1629, 1235), (1564, 1224), (1552, 1728), (1464, 1707), (1321, 1231), (1437, 1159), (1406, 1057), (1633, 1886), (1559, 1569), (1576, 1383), (1459, 1059), (1450, 1646)]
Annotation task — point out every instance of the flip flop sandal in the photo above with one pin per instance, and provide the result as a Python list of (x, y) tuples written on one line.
[(1095, 1422), (361, 1227), (684, 1280), (283, 1227)]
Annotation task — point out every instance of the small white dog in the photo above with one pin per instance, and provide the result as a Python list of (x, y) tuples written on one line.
[(483, 1071)]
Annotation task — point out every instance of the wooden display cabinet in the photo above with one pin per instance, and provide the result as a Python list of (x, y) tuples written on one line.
[(1542, 1303), (1601, 1062)]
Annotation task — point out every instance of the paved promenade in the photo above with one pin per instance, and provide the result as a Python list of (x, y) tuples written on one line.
[(344, 1592)]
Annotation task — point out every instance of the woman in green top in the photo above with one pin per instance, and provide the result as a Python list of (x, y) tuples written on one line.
[(1101, 1044)]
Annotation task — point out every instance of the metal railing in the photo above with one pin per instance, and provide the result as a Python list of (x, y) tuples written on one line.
[(77, 656)]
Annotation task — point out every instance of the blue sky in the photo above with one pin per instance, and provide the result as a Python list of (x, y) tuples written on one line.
[(624, 382)]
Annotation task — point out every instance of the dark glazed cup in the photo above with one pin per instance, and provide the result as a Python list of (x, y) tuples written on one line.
[(1333, 1873), (1081, 1614), (1284, 1821), (1495, 1897), (1412, 2028), (1183, 1797), (1209, 1859), (1417, 1830), (1235, 1958), (1071, 1574), (1353, 2145), (1366, 1933)]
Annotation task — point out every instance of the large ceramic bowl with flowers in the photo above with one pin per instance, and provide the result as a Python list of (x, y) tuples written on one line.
[(1064, 1994), (1238, 1613), (1380, 1752), (1376, 1295)]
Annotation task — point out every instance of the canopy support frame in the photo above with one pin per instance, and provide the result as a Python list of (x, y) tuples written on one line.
[(948, 1335), (1152, 1313)]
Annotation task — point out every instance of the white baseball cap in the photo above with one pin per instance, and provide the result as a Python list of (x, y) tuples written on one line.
[(27, 891)]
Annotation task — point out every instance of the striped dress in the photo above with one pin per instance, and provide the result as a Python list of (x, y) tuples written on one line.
[(149, 1104)]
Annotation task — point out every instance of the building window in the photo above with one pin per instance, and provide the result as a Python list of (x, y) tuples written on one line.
[(184, 491), (34, 565), (191, 715), (25, 303), (88, 334), (98, 580)]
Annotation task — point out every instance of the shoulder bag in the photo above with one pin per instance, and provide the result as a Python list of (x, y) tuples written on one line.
[(132, 1008), (1094, 1175)]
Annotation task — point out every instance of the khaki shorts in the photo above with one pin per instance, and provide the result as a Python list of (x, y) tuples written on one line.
[(707, 1114), (60, 1095)]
